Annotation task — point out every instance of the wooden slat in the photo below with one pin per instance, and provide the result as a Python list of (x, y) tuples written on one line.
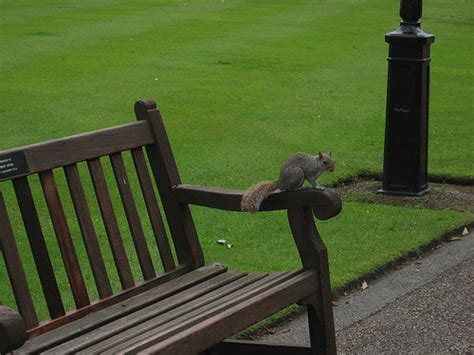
[(110, 223), (131, 213), (119, 305), (88, 232), (231, 318), (66, 246), (15, 269), (38, 247), (152, 208), (69, 150), (159, 328), (162, 319), (326, 204), (166, 176), (104, 337), (249, 347), (105, 302)]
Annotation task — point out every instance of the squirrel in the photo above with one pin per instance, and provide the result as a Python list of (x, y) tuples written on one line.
[(295, 170)]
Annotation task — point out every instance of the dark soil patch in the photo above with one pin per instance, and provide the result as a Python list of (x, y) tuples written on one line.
[(440, 196)]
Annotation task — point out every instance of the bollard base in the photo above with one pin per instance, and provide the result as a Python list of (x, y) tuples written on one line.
[(403, 193)]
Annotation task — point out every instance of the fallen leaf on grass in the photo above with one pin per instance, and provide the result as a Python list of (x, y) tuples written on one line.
[(465, 231), (221, 241), (229, 246), (364, 285)]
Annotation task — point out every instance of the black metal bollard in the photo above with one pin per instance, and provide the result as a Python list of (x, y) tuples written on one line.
[(405, 169)]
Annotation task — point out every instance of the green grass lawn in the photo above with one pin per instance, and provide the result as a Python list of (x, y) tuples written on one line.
[(241, 85)]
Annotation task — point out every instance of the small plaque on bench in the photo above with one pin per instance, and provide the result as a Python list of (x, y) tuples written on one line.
[(12, 164)]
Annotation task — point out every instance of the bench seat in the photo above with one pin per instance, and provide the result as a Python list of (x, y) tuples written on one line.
[(182, 316)]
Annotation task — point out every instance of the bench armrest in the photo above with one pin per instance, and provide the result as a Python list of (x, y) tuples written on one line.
[(12, 330), (325, 204)]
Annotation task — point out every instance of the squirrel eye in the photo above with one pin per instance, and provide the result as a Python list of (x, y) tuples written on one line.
[(325, 162)]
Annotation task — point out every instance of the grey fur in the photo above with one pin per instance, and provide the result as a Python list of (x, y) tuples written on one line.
[(296, 169), (300, 167)]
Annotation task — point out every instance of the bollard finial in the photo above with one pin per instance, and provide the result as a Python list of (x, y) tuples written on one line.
[(410, 11)]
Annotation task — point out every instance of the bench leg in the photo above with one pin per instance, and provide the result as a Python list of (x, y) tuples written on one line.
[(314, 256), (320, 313), (321, 332)]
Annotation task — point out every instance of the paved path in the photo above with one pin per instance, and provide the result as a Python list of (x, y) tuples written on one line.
[(426, 306)]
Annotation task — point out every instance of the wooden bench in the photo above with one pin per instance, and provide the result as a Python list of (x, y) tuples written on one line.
[(189, 307)]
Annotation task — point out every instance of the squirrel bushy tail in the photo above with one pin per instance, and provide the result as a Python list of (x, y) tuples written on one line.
[(253, 198)]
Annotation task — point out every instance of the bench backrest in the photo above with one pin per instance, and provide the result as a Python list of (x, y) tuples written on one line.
[(46, 160)]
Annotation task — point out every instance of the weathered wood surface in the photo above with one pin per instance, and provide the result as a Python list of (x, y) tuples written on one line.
[(152, 209), (166, 176), (120, 330), (15, 270), (326, 204), (81, 147), (63, 236), (122, 304), (211, 330), (149, 324), (89, 235), (38, 247), (131, 213), (171, 321), (156, 330), (106, 302), (110, 223), (313, 254)]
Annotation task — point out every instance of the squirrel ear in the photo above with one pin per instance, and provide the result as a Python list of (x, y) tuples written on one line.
[(330, 154), (320, 155)]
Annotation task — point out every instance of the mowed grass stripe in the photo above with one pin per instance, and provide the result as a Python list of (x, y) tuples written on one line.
[(206, 31), (95, 29)]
